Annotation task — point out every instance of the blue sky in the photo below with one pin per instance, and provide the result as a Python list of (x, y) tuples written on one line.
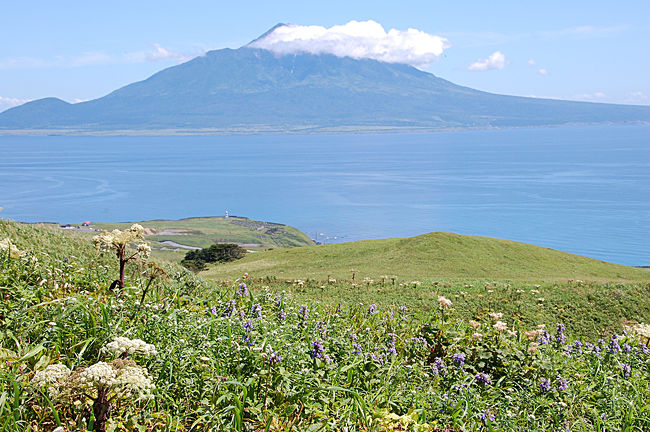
[(80, 50)]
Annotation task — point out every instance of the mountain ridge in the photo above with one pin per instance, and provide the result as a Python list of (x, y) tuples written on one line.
[(254, 89)]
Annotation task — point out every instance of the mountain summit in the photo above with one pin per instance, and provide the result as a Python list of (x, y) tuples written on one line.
[(251, 89)]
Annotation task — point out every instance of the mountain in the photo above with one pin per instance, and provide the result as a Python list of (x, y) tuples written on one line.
[(255, 90)]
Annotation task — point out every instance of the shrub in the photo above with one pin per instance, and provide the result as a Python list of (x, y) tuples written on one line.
[(197, 259)]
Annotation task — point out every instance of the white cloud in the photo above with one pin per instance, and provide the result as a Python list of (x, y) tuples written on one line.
[(532, 62), (356, 39), (590, 96), (496, 61), (637, 97), (157, 53), (8, 102), (543, 71)]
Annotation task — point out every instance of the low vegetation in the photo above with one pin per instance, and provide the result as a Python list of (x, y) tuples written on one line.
[(174, 352), (196, 260)]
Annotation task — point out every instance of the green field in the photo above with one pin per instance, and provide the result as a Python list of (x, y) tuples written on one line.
[(429, 257), (280, 355), (201, 232)]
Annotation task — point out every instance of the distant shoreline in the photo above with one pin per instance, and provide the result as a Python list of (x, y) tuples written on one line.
[(304, 130)]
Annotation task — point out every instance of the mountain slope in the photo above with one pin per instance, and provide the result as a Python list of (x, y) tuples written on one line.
[(252, 88), (438, 255)]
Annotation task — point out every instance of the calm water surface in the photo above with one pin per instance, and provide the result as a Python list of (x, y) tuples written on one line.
[(584, 190)]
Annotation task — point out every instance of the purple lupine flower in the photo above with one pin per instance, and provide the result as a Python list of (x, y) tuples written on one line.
[(544, 338), (403, 309), (353, 336), (278, 300), (459, 359), (561, 383), (248, 340), (357, 349), (577, 347), (560, 337), (322, 328), (596, 350), (242, 290), (211, 311), (613, 346), (419, 340), (642, 350), (274, 358), (603, 417), (483, 378), (230, 308), (317, 349), (256, 310), (545, 385), (303, 311), (485, 415), (372, 309), (282, 315), (626, 369), (248, 325), (627, 349), (391, 343), (438, 367)]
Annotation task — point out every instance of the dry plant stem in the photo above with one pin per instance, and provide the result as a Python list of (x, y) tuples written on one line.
[(101, 410)]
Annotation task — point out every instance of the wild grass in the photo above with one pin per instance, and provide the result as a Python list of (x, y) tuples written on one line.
[(232, 357)]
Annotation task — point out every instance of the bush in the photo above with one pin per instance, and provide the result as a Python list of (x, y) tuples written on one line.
[(197, 259)]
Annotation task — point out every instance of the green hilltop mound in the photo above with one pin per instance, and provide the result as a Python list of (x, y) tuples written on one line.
[(438, 255)]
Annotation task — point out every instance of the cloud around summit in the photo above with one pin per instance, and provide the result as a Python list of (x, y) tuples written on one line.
[(356, 39)]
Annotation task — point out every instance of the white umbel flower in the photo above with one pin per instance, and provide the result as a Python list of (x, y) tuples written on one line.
[(98, 375), (124, 345), (7, 245), (144, 249), (500, 326), (444, 302), (51, 377), (134, 381)]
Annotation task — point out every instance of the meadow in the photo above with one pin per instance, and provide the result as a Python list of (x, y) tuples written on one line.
[(173, 351)]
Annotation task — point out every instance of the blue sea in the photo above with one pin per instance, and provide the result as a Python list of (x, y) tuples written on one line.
[(584, 190)]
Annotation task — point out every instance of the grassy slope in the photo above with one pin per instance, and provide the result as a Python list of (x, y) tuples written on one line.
[(204, 231), (433, 256)]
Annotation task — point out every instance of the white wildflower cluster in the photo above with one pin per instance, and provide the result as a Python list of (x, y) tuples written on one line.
[(444, 302), (50, 378), (108, 241), (7, 245), (99, 375), (642, 330), (500, 326), (123, 345), (122, 378), (144, 249), (134, 381), (535, 334)]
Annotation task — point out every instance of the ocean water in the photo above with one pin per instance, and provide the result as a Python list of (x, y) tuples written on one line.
[(584, 190)]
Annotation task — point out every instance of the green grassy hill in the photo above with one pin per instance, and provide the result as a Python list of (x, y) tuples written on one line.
[(437, 255)]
